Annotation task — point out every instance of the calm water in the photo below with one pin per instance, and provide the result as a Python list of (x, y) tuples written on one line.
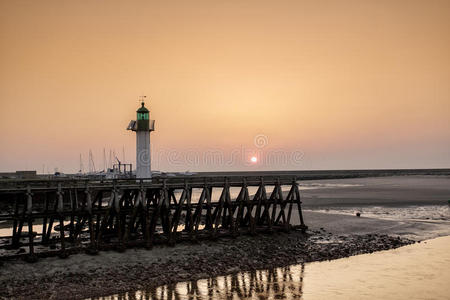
[(419, 271)]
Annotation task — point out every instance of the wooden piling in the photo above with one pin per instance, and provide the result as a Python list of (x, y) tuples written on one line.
[(142, 213)]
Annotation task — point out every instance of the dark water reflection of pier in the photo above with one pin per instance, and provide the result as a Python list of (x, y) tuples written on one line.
[(277, 283)]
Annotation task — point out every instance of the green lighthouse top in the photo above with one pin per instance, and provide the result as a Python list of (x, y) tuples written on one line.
[(142, 118), (142, 109), (142, 122)]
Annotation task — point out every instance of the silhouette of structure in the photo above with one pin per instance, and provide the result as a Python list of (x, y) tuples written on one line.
[(121, 213), (142, 126)]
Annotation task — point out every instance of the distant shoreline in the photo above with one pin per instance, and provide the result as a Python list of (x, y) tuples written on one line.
[(298, 174), (331, 174)]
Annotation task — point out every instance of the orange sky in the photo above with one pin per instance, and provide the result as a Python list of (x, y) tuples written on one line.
[(337, 84)]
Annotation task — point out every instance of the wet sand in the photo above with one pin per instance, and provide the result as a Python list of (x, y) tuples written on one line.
[(390, 195), (392, 191), (338, 224)]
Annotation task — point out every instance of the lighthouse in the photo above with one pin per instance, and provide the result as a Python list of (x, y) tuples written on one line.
[(142, 126)]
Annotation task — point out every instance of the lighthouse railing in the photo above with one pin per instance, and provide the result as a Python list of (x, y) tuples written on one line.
[(152, 125)]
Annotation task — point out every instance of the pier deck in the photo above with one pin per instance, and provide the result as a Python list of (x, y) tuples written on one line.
[(67, 216)]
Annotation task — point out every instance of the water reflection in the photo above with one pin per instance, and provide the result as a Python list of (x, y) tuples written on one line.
[(279, 283), (414, 272)]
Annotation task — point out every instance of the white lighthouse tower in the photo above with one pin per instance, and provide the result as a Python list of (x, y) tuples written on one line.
[(143, 125)]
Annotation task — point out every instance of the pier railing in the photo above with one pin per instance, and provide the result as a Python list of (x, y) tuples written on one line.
[(71, 215)]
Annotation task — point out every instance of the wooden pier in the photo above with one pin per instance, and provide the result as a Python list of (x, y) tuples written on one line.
[(86, 215)]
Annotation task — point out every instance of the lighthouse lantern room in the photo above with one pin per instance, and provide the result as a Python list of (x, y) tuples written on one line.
[(142, 126)]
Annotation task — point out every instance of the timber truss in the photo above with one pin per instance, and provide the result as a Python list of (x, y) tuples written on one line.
[(69, 216)]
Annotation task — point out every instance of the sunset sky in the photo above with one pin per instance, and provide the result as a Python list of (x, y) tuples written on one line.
[(324, 84)]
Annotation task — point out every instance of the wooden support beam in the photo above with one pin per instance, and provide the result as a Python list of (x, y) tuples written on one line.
[(257, 201), (15, 236), (289, 199), (275, 201), (98, 200), (142, 213), (299, 206), (217, 213), (230, 221), (52, 218), (189, 226), (208, 219), (72, 215), (240, 213), (44, 220), (158, 202), (60, 210), (198, 212), (282, 210)]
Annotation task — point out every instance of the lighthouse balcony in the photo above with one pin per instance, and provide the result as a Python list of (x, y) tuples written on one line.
[(151, 126), (134, 126)]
